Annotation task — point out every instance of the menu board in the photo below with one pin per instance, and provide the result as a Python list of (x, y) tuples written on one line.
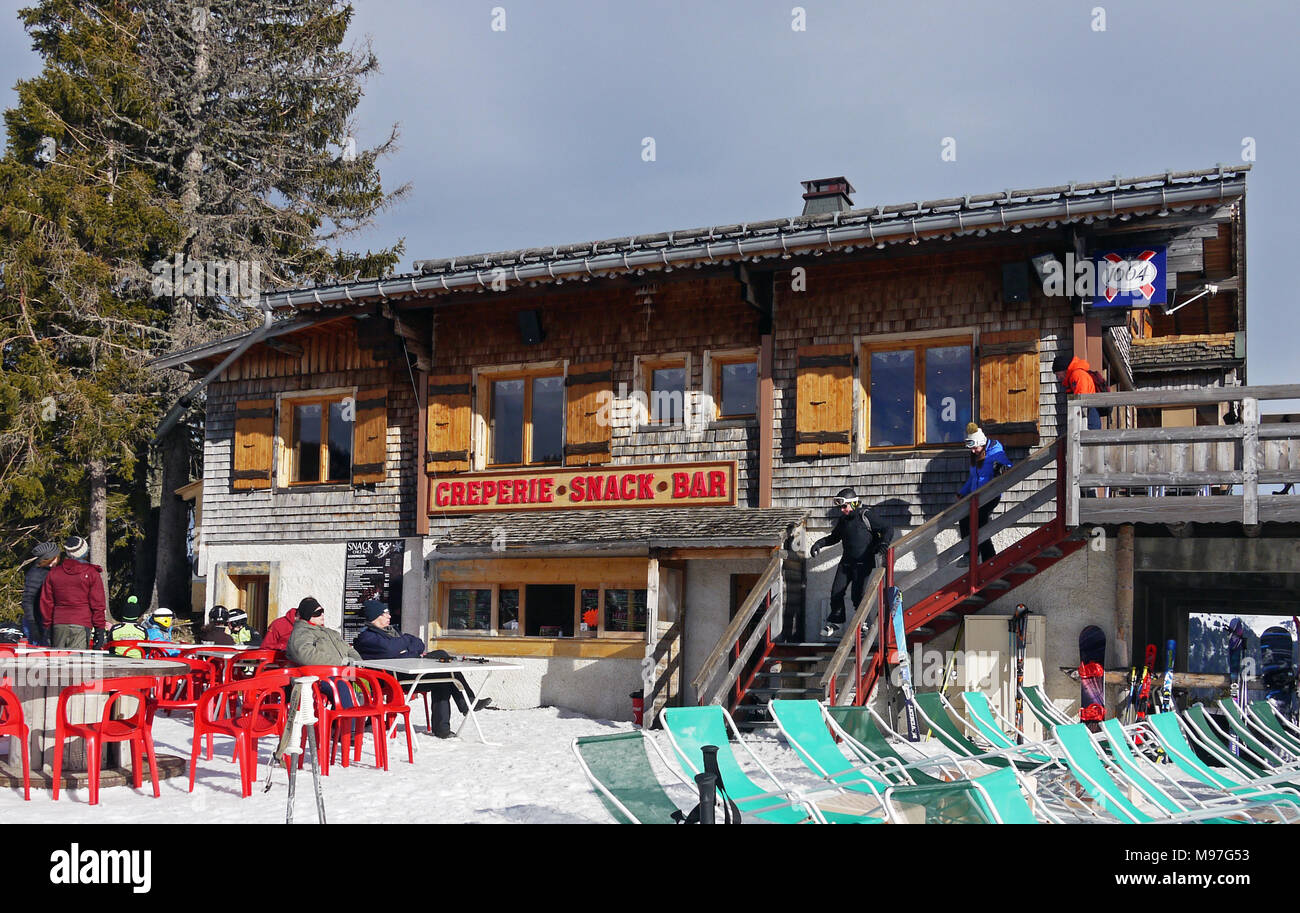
[(373, 571)]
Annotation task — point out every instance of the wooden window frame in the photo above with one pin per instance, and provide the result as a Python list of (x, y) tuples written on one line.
[(645, 368), (716, 362), (286, 466), (917, 345), (485, 379), (494, 627)]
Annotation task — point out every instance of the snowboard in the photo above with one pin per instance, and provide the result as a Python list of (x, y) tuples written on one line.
[(1236, 659), (1277, 668), (1092, 677), (895, 597)]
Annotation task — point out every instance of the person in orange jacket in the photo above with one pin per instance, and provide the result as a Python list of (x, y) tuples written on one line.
[(1075, 377)]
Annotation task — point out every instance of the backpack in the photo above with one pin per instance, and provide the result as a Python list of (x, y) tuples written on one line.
[(1102, 387)]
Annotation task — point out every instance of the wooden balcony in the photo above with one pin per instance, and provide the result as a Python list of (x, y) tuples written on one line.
[(1203, 474)]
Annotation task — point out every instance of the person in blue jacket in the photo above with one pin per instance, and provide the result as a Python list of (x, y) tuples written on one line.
[(380, 640), (159, 627), (987, 460)]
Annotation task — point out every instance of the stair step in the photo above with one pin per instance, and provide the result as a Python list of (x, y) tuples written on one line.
[(974, 600), (1025, 569), (812, 673), (1051, 552), (799, 659), (997, 585), (803, 691)]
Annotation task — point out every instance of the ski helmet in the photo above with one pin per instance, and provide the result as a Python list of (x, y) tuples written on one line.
[(220, 615), (10, 633), (163, 617), (238, 618)]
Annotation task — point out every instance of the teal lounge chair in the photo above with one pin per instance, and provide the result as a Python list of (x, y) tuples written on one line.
[(1251, 759), (1088, 764), (618, 766), (1168, 733), (992, 799), (868, 735), (1283, 731), (938, 715), (690, 729), (1042, 707), (1280, 752), (1173, 797)]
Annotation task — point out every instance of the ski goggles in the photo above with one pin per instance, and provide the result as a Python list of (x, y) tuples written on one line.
[(840, 502)]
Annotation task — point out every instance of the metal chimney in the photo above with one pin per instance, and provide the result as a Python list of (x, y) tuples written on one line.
[(826, 195)]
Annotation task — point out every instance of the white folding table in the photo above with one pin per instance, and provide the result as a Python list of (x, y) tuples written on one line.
[(423, 671)]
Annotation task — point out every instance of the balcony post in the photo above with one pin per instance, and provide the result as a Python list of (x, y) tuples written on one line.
[(1250, 461)]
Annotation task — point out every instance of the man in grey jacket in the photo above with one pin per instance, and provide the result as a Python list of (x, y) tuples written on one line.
[(46, 555), (313, 644)]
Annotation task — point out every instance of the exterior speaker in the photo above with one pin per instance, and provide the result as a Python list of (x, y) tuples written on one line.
[(1015, 282), (530, 327)]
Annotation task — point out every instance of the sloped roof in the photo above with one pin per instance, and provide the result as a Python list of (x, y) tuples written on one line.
[(1178, 353), (679, 527)]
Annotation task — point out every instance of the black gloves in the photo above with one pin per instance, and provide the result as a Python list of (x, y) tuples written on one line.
[(812, 552), (100, 636), (48, 633)]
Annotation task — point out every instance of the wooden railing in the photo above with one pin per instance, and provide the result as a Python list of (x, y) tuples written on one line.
[(660, 691), (1205, 465), (763, 603), (942, 571)]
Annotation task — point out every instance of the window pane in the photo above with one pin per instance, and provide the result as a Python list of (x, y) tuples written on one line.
[(625, 610), (740, 389), (667, 394), (508, 612), (947, 394), (590, 609), (340, 434), (470, 610), (508, 421), (893, 398), (548, 419), (306, 442)]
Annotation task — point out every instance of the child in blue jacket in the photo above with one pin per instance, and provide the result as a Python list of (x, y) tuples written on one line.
[(987, 460)]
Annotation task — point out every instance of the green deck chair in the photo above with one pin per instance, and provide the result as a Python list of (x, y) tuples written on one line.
[(1041, 706), (1264, 712), (1185, 758), (860, 725), (959, 802), (618, 766), (1124, 759), (1280, 753), (690, 729), (1250, 762), (934, 710)]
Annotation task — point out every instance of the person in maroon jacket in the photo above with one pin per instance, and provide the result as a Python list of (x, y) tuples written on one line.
[(72, 600), (277, 634)]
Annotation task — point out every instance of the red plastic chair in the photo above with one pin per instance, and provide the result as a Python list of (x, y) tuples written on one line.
[(182, 692), (247, 711), (366, 706), (252, 663), (392, 703), (134, 728), (12, 724)]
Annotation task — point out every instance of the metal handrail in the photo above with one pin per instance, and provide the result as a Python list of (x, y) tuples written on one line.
[(744, 615)]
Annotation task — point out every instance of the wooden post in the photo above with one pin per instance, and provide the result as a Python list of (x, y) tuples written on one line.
[(1250, 461), (421, 443), (1124, 596)]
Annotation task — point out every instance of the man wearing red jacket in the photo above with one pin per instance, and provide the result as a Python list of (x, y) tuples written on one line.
[(72, 600), (1075, 377), (277, 635)]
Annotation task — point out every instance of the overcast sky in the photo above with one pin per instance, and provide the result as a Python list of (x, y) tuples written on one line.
[(533, 135)]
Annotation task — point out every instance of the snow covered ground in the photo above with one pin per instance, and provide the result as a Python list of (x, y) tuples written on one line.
[(530, 777)]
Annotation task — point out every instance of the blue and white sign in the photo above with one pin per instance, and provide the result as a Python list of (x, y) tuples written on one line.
[(1129, 278)]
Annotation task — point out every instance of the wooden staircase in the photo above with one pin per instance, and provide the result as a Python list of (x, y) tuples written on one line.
[(791, 671), (941, 590)]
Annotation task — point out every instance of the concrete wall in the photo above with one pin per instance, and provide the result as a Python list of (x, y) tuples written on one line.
[(708, 599)]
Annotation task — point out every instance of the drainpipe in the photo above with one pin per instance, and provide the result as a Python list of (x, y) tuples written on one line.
[(1124, 596), (178, 409)]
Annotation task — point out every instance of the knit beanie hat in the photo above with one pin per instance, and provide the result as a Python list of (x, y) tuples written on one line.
[(45, 550), (76, 547), (307, 608), (131, 611), (975, 438), (1060, 363), (373, 609)]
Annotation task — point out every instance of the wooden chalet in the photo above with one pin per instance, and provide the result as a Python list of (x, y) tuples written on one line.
[(606, 460)]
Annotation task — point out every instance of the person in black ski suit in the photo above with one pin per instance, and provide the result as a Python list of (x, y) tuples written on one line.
[(864, 536), (46, 555)]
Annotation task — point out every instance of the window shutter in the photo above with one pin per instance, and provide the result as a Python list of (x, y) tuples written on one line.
[(587, 431), (1009, 371), (370, 436), (450, 413), (824, 390), (254, 430)]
